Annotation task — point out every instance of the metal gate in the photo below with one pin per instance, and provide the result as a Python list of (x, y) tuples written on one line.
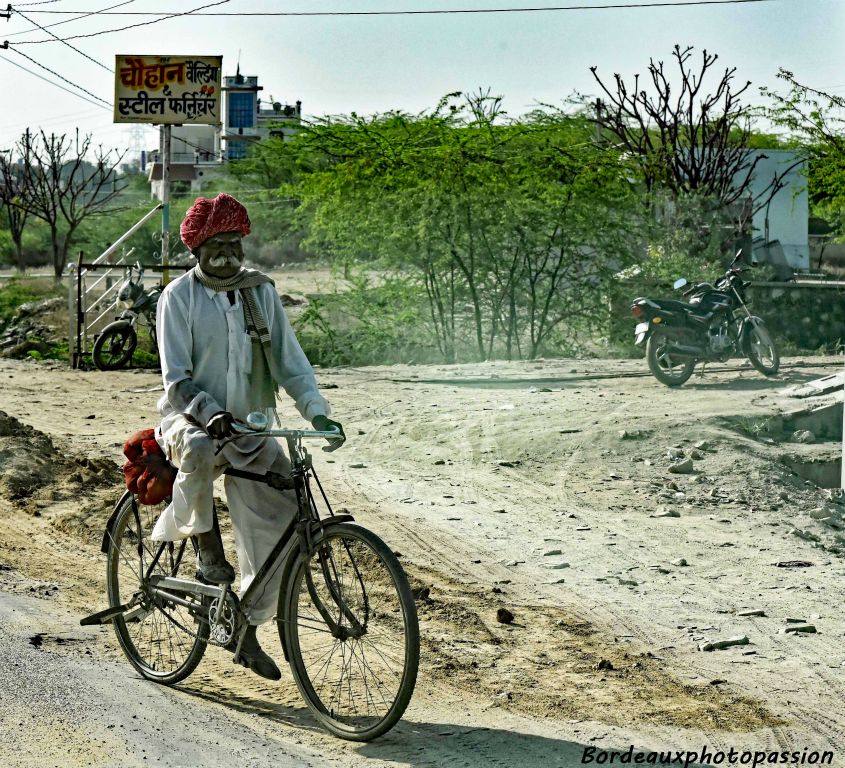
[(92, 295)]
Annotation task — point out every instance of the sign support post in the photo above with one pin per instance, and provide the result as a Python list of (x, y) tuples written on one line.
[(165, 202), (167, 91)]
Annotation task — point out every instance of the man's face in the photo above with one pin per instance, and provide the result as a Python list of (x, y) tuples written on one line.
[(221, 255)]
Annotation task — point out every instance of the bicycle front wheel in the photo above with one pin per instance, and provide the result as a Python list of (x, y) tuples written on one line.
[(352, 633), (161, 639)]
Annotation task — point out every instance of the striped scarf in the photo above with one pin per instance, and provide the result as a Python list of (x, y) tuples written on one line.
[(256, 325), (261, 380)]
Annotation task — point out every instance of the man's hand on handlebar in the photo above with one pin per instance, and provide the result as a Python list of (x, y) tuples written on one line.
[(323, 423), (220, 425)]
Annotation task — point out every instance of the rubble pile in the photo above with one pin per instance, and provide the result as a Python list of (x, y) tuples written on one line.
[(29, 329)]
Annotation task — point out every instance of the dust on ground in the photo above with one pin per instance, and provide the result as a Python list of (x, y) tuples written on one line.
[(536, 488)]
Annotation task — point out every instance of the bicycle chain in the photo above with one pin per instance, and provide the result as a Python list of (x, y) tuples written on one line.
[(204, 640)]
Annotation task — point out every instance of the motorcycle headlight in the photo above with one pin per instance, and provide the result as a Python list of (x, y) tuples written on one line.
[(126, 302)]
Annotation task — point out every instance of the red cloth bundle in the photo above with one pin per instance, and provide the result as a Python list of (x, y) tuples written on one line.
[(148, 473)]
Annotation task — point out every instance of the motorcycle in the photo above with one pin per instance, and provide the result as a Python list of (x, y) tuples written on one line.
[(713, 325), (116, 344)]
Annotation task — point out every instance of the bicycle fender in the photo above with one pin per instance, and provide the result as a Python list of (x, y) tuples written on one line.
[(324, 523), (104, 547)]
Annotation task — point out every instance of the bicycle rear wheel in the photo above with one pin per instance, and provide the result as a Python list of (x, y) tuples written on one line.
[(357, 677), (160, 639)]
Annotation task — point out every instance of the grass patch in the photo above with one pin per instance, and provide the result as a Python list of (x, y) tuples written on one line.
[(22, 290)]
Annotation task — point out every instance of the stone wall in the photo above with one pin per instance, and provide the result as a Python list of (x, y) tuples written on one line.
[(807, 315)]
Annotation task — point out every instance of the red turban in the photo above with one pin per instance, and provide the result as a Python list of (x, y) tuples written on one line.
[(209, 217)]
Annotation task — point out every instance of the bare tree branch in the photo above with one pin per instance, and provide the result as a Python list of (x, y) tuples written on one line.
[(689, 142), (64, 188)]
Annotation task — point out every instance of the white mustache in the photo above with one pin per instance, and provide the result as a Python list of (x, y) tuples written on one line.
[(224, 261)]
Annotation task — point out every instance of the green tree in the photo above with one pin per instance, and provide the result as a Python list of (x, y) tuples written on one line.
[(14, 181), (511, 227), (815, 124)]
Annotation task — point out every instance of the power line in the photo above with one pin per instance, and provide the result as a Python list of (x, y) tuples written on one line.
[(192, 12), (65, 42), (85, 15), (53, 118), (47, 80), (53, 72), (448, 11)]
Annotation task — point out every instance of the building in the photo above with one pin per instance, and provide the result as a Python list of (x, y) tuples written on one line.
[(780, 226), (197, 152), (195, 157), (247, 119)]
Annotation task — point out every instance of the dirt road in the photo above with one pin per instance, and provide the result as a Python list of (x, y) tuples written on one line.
[(535, 487)]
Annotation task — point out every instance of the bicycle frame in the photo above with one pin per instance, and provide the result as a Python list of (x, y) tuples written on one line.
[(299, 537)]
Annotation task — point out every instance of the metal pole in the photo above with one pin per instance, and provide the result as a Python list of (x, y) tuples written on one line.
[(71, 315), (842, 476), (80, 314), (165, 202)]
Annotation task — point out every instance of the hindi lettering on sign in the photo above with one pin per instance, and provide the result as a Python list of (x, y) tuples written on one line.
[(139, 75), (199, 72), (163, 89), (191, 104), (132, 75), (141, 104)]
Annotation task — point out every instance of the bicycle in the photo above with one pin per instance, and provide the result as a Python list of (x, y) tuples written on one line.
[(346, 617)]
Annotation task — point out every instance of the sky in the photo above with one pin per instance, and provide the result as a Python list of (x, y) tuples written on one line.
[(370, 64)]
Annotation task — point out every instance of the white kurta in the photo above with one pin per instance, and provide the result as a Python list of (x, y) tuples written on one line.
[(203, 342), (206, 357)]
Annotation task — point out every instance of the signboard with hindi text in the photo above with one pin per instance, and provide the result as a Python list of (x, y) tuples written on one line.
[(175, 90)]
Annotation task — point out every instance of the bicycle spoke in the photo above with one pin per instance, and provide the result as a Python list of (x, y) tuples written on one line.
[(160, 642), (357, 673)]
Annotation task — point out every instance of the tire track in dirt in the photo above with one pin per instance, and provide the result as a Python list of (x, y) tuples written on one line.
[(536, 493)]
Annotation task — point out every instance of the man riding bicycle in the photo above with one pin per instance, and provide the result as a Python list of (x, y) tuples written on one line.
[(226, 346)]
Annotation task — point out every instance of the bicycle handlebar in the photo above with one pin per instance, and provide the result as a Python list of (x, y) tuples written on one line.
[(327, 434)]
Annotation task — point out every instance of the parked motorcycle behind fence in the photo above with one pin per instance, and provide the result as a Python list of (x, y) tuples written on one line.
[(116, 344), (714, 325)]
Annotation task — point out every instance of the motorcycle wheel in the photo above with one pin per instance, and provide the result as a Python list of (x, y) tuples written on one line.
[(114, 346), (668, 370), (761, 350)]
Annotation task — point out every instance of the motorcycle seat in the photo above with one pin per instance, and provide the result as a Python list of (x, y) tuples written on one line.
[(692, 311), (671, 305)]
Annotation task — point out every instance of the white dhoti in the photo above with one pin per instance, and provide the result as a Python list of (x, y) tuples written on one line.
[(259, 513)]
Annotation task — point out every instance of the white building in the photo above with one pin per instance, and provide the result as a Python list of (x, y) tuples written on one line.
[(197, 152), (780, 228), (195, 157)]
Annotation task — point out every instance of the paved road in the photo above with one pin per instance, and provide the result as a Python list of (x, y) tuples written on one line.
[(60, 709)]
